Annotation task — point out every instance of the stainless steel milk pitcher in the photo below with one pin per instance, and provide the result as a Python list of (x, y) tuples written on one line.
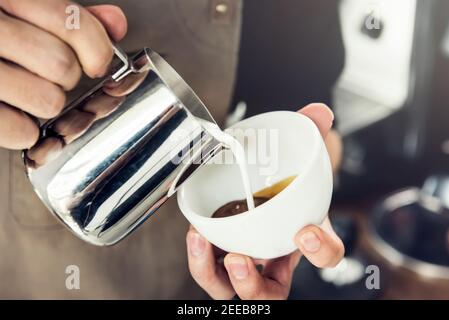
[(110, 160)]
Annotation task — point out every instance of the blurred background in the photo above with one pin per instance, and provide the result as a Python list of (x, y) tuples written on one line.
[(383, 66)]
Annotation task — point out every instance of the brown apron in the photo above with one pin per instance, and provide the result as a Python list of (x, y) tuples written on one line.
[(35, 250)]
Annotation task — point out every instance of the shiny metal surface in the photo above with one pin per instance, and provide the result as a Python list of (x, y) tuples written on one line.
[(116, 154), (410, 229), (438, 186)]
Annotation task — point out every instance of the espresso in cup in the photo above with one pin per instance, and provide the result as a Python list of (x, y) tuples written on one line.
[(240, 206)]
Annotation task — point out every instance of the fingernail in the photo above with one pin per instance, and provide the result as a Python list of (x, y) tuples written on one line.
[(196, 244), (238, 267), (310, 242)]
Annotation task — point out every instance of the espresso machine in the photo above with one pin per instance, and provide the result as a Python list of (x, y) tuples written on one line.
[(391, 98), (392, 109)]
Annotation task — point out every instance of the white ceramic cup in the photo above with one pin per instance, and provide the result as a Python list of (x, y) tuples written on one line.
[(267, 231)]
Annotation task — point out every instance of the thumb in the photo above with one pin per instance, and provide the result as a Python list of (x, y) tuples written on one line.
[(112, 18), (321, 115)]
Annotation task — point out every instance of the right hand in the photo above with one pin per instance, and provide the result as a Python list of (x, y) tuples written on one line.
[(41, 59)]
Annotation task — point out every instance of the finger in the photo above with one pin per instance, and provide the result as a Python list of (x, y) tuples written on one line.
[(248, 283), (112, 18), (209, 275), (29, 92), (38, 51), (89, 40), (334, 146), (321, 115), (282, 269), (321, 246), (17, 130)]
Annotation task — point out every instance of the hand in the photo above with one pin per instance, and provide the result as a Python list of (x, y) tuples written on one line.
[(237, 274), (41, 59)]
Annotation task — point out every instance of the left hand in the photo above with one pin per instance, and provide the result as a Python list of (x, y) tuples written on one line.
[(238, 274)]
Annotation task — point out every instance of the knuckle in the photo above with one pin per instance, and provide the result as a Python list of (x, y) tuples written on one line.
[(22, 142), (30, 135), (18, 130), (8, 5), (6, 27), (195, 271), (334, 258), (64, 64), (53, 101), (208, 277), (250, 290), (91, 43), (196, 276), (205, 278), (100, 62), (252, 293)]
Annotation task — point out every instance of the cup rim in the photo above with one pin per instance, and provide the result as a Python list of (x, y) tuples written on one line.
[(190, 213)]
